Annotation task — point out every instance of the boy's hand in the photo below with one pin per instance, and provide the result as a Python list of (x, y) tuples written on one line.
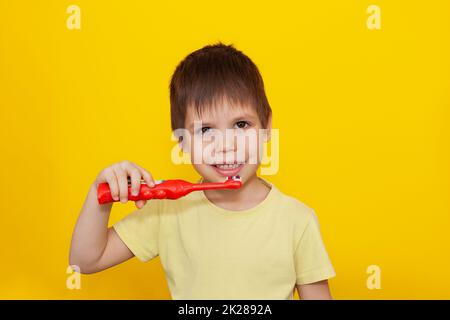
[(117, 175)]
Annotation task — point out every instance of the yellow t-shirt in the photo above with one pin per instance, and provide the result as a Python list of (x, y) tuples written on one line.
[(208, 252)]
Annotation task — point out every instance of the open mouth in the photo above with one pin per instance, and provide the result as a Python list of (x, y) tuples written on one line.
[(228, 169)]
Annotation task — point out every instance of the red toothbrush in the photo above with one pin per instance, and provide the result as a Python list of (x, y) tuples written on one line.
[(167, 189)]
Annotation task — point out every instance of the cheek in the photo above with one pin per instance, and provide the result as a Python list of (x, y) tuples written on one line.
[(201, 156), (251, 145), (206, 171), (206, 151), (254, 151)]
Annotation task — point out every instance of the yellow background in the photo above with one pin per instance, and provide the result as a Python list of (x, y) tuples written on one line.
[(363, 118)]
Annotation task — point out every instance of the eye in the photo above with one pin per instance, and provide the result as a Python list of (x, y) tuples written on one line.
[(204, 129), (242, 124)]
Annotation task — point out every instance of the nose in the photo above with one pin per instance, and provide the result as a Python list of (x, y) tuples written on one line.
[(227, 149)]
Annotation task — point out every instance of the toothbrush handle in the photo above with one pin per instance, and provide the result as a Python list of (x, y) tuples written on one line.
[(104, 194), (169, 189)]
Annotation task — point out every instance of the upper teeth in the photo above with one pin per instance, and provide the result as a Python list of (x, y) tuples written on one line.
[(228, 166)]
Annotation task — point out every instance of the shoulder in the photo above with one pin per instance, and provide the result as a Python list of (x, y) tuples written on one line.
[(295, 215), (294, 209)]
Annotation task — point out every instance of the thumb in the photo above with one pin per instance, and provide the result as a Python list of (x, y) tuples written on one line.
[(140, 203)]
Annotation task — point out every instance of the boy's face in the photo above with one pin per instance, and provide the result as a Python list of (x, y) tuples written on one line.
[(225, 141)]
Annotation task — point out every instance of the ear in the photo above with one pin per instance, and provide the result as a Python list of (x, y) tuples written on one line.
[(183, 143), (181, 135)]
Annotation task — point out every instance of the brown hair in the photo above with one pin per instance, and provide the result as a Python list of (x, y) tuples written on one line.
[(211, 74)]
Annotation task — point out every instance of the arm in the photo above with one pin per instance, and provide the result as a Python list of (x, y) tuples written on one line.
[(314, 291), (94, 246)]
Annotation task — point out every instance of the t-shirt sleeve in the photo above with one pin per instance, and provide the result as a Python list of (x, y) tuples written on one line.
[(312, 263), (139, 230)]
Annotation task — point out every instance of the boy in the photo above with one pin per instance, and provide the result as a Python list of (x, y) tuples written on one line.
[(254, 242)]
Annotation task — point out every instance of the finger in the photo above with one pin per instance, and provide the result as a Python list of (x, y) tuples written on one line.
[(146, 176), (123, 184), (135, 176), (113, 184), (140, 203)]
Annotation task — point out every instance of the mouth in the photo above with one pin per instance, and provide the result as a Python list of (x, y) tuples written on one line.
[(227, 169)]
